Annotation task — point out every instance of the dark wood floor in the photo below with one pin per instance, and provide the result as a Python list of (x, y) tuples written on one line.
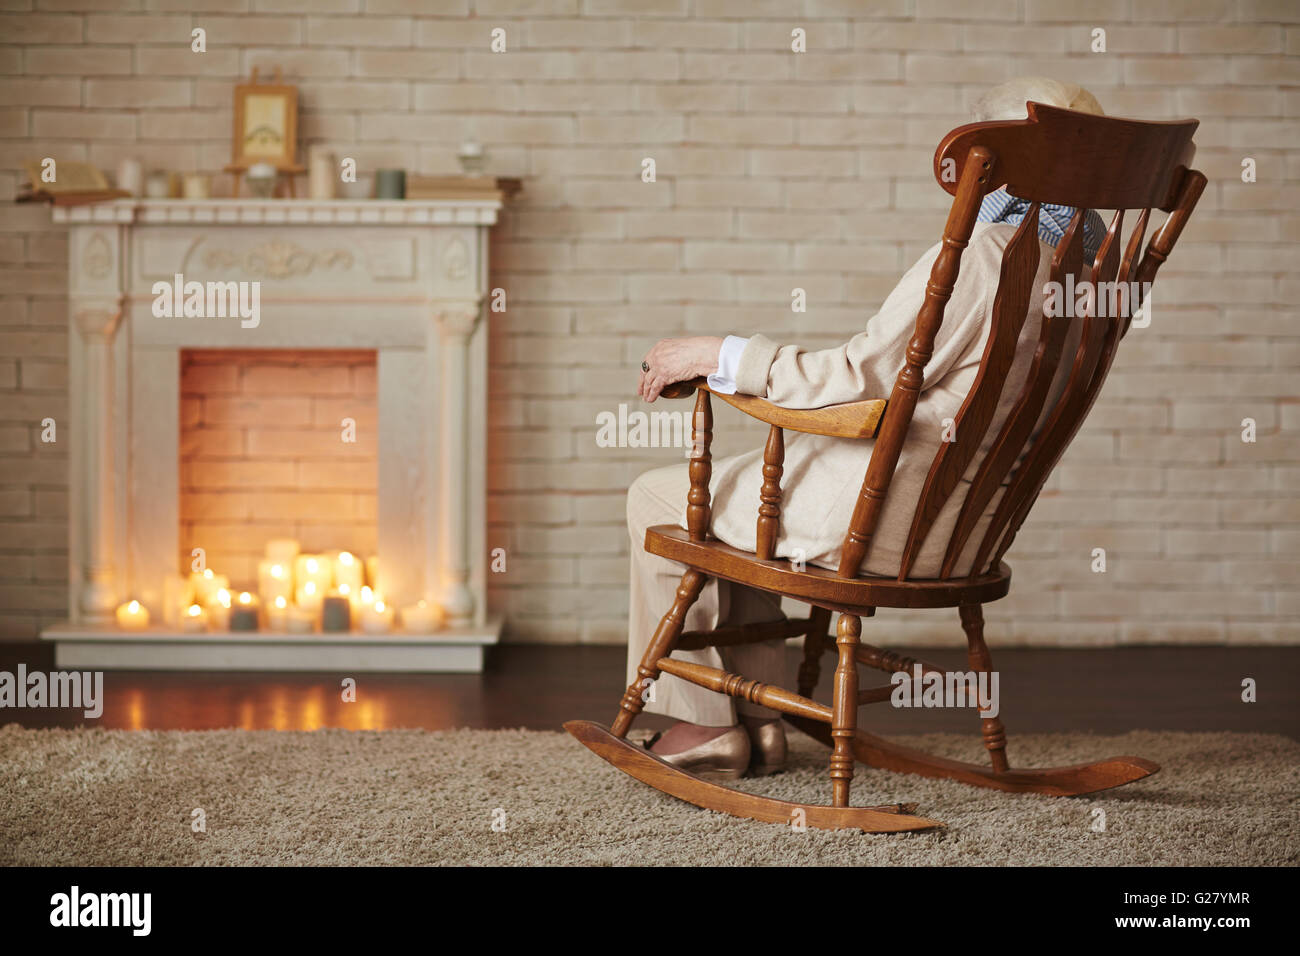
[(1105, 691)]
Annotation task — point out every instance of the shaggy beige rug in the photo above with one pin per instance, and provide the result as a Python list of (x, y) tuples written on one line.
[(94, 797)]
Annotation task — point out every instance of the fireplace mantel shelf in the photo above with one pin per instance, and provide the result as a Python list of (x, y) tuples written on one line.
[(308, 212)]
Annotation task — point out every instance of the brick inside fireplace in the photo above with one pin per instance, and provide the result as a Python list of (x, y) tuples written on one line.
[(263, 455)]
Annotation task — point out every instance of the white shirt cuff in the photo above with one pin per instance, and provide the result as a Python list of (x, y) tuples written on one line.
[(723, 380)]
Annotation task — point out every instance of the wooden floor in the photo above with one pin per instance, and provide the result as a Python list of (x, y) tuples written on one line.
[(1105, 691)]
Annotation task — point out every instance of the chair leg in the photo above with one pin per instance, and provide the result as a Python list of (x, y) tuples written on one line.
[(661, 645), (814, 645), (844, 708), (995, 735)]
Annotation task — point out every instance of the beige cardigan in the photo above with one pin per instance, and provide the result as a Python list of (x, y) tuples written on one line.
[(823, 476)]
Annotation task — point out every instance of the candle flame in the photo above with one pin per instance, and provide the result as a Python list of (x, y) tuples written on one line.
[(245, 597), (379, 606), (309, 587), (224, 597), (312, 565), (367, 595), (344, 589), (280, 602), (345, 557), (194, 610), (134, 607), (277, 571)]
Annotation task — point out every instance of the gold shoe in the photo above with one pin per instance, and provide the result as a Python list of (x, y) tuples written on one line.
[(725, 757), (767, 748)]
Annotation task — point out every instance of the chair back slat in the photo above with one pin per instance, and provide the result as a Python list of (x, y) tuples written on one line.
[(1067, 260), (1010, 310)]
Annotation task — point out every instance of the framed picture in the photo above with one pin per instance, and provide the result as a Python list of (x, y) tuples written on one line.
[(266, 125)]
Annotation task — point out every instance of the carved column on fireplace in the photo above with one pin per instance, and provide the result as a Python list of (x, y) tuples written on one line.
[(95, 305), (456, 322)]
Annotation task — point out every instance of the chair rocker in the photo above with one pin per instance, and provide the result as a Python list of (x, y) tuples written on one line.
[(1052, 156)]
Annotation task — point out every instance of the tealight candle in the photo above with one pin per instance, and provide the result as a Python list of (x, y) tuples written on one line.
[(377, 618), (243, 615), (132, 616), (277, 614), (420, 616), (300, 620), (194, 620)]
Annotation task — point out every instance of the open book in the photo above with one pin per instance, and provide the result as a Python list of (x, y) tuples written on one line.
[(75, 184)]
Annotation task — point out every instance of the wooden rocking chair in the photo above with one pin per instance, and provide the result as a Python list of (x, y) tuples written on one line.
[(1053, 156)]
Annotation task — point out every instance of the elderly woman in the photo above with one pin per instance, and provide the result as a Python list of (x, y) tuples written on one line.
[(823, 476)]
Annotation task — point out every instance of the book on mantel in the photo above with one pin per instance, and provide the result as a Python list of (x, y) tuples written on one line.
[(76, 184), (461, 187)]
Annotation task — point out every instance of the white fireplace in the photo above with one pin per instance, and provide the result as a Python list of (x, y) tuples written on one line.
[(406, 279)]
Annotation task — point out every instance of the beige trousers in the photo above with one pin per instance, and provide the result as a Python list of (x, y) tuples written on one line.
[(659, 497)]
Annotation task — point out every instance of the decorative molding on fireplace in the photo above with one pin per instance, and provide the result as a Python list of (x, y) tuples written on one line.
[(406, 278)]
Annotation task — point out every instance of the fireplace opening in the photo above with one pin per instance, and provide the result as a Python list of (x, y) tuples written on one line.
[(278, 463)]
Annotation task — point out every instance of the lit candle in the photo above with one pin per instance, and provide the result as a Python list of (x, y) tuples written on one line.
[(421, 617), (274, 579), (348, 570), (309, 596), (314, 568), (206, 586), (243, 616), (132, 616), (277, 614), (178, 595), (219, 610), (194, 620), (300, 620), (377, 619)]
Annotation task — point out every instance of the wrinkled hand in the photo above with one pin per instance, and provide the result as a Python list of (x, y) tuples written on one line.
[(678, 360)]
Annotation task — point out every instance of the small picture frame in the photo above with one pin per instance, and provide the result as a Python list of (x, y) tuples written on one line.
[(266, 125)]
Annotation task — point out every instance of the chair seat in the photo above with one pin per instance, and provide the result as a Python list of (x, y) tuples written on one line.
[(822, 586)]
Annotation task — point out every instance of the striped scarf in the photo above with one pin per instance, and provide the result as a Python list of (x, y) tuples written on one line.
[(1053, 219)]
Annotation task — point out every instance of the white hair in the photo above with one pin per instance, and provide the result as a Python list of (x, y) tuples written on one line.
[(1006, 101)]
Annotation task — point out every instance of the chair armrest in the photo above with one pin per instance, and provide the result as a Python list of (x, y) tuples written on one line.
[(850, 420)]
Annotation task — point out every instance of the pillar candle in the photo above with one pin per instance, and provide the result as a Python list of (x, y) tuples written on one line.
[(244, 613), (219, 611), (336, 614), (132, 616), (194, 620), (377, 619), (309, 596), (197, 186), (130, 176), (316, 568), (390, 184), (277, 614), (300, 620), (421, 617), (349, 570), (206, 586), (274, 579), (178, 595), (321, 174)]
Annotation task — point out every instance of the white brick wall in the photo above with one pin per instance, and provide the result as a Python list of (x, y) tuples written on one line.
[(774, 170)]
